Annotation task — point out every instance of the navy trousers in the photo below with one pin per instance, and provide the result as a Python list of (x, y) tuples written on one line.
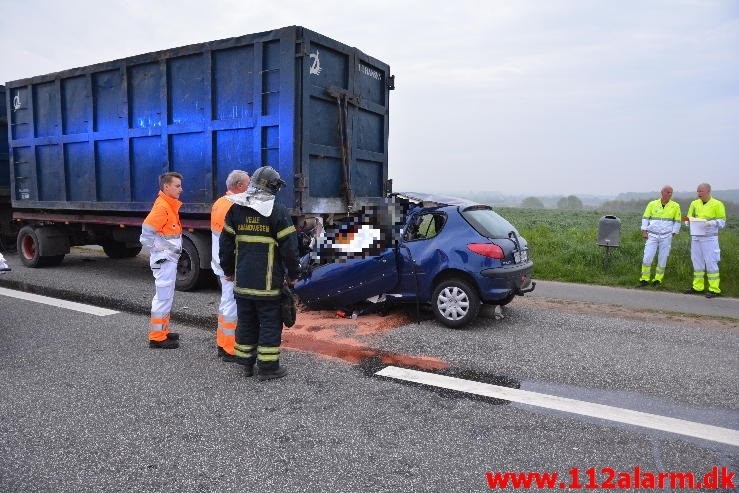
[(259, 331)]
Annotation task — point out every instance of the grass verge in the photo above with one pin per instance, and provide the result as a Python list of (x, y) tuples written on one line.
[(563, 247)]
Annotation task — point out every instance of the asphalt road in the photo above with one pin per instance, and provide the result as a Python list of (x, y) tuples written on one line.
[(642, 298), (88, 275), (86, 406)]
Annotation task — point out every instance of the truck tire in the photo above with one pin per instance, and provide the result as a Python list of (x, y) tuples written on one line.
[(188, 267), (29, 250), (118, 249), (455, 303)]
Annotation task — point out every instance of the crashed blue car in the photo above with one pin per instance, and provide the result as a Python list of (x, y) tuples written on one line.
[(449, 253)]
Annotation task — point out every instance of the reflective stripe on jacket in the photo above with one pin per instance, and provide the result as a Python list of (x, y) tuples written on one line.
[(161, 232), (661, 220), (713, 210), (217, 218)]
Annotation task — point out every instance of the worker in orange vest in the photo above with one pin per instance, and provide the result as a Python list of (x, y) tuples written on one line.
[(236, 182), (161, 233)]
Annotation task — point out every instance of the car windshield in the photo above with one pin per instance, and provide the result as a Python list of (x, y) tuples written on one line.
[(487, 223)]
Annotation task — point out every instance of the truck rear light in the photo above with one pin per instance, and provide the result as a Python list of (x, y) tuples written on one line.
[(487, 250)]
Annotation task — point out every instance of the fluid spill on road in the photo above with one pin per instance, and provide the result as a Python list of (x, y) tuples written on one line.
[(321, 333), (347, 340)]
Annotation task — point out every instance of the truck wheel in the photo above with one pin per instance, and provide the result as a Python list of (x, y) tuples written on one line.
[(51, 260), (29, 248), (118, 249), (455, 303), (188, 267)]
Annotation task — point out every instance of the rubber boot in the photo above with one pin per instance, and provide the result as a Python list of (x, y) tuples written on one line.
[(271, 374), (165, 344), (247, 363)]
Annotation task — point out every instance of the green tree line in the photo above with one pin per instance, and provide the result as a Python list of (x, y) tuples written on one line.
[(572, 202), (732, 208)]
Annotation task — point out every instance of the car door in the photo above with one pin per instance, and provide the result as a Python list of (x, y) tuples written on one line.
[(421, 254), (343, 283)]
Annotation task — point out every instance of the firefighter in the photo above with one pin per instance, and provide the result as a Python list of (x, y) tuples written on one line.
[(661, 221), (236, 182), (704, 247), (161, 233), (259, 252)]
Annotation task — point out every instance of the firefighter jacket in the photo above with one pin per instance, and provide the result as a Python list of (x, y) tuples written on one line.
[(712, 211), (258, 249), (661, 220), (217, 217), (161, 232)]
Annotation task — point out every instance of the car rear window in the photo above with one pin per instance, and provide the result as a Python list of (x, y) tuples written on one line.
[(487, 223)]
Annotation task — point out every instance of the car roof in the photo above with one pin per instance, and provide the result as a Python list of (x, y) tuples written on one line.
[(430, 200)]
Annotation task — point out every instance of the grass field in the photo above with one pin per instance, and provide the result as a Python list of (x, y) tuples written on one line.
[(563, 246)]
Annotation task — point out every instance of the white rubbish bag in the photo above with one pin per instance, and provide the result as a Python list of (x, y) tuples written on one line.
[(3, 264)]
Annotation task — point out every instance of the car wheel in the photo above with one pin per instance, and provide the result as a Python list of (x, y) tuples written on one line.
[(455, 303), (29, 247)]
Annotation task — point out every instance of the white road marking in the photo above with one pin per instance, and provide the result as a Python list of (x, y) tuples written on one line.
[(620, 415), (69, 305)]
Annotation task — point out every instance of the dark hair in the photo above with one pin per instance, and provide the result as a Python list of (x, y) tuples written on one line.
[(166, 178)]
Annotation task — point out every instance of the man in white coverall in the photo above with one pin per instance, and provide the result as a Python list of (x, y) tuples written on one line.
[(161, 233), (705, 253), (661, 221), (236, 182)]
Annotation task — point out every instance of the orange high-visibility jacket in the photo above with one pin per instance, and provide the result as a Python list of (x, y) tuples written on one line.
[(217, 218), (162, 229)]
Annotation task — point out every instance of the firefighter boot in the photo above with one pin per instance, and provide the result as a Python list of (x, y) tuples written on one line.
[(247, 363), (271, 374), (268, 362), (165, 344)]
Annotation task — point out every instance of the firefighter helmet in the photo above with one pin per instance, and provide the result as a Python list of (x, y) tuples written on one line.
[(268, 179)]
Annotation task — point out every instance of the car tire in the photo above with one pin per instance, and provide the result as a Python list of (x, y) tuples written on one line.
[(455, 303), (29, 247)]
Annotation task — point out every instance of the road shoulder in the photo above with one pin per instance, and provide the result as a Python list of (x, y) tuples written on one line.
[(647, 315)]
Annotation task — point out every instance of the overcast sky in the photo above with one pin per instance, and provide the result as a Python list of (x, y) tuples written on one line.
[(520, 96)]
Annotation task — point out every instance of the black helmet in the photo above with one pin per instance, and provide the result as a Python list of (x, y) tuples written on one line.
[(268, 179)]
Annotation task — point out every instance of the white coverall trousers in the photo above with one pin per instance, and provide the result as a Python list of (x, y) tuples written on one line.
[(226, 332), (705, 255), (656, 244), (165, 275)]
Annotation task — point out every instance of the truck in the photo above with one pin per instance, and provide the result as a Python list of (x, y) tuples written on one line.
[(6, 237), (86, 145)]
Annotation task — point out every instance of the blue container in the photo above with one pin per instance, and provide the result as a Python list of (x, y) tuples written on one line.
[(96, 138), (4, 164)]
